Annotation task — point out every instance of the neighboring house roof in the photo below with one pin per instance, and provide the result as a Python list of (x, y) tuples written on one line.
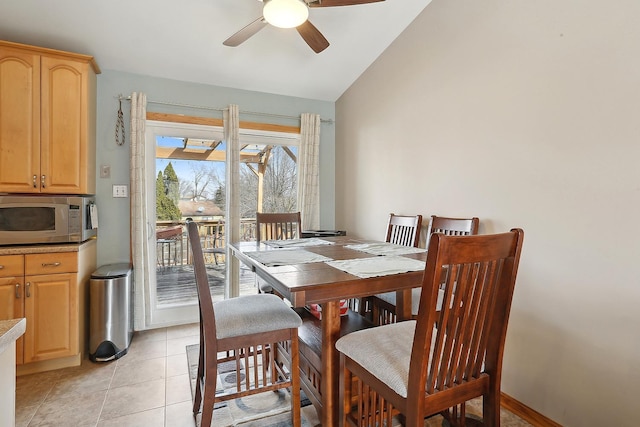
[(200, 208)]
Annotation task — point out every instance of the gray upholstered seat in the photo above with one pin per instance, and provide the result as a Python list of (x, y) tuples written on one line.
[(253, 314), (390, 362)]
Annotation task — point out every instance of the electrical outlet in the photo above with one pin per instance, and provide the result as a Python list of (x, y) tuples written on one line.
[(105, 171), (119, 191)]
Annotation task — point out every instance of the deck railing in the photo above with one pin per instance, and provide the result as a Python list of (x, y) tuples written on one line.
[(173, 249)]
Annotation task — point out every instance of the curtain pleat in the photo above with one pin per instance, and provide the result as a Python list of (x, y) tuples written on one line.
[(231, 118), (308, 171), (140, 228)]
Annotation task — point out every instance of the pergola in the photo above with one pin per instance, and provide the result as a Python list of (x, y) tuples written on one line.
[(255, 156)]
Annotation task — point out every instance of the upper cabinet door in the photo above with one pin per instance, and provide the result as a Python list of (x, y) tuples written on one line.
[(64, 126), (19, 121)]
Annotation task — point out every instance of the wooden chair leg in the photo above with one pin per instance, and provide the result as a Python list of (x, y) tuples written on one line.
[(345, 402), (208, 401), (491, 409), (295, 382)]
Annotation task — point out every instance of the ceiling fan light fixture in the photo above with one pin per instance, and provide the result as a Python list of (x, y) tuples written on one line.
[(285, 13)]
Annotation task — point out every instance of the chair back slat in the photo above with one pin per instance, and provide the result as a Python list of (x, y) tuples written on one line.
[(404, 229), (278, 226), (452, 226), (465, 339)]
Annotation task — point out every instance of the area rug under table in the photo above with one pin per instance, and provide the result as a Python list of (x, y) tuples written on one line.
[(269, 409)]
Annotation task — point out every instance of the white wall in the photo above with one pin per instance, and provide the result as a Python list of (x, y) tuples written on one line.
[(525, 114), (113, 232)]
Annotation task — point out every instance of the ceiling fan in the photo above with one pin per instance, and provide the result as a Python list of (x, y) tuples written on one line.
[(290, 14)]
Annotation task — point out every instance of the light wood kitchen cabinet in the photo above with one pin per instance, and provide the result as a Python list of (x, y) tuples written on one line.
[(50, 306), (50, 291), (11, 293), (47, 120)]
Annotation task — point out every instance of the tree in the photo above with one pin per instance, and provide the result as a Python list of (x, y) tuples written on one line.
[(220, 196), (203, 177), (280, 186), (166, 209), (171, 184), (280, 183)]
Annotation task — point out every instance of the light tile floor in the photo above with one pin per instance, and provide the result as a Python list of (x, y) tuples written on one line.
[(147, 387)]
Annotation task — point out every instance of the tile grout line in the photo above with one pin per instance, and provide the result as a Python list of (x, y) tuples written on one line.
[(104, 401)]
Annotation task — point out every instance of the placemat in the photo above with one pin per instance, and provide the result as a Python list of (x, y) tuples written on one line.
[(378, 266), (286, 257), (382, 248), (296, 243)]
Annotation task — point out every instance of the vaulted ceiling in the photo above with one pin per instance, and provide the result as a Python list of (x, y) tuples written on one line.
[(182, 40)]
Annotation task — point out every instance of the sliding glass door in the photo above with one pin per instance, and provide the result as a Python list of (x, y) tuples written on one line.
[(186, 168)]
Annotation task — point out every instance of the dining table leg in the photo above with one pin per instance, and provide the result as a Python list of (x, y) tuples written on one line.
[(330, 364), (403, 304)]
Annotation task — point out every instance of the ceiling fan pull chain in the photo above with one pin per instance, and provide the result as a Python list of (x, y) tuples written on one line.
[(120, 126)]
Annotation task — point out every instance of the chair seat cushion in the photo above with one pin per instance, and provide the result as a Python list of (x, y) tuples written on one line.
[(384, 351), (390, 297), (253, 314)]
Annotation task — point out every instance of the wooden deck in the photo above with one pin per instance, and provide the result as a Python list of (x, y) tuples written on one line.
[(176, 284)]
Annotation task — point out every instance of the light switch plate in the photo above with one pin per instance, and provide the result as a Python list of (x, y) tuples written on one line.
[(119, 191), (105, 171)]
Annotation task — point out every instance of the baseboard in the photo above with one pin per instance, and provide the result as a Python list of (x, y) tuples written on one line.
[(49, 365), (523, 411)]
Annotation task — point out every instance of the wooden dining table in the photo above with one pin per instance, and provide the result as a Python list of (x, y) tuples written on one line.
[(320, 283)]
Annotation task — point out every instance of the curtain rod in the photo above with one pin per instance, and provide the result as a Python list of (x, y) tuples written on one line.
[(200, 107)]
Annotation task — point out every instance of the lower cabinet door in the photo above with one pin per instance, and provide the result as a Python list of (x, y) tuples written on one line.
[(12, 305), (51, 309)]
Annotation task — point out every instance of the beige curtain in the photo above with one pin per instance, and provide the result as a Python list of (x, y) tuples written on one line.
[(141, 231), (232, 137), (308, 171)]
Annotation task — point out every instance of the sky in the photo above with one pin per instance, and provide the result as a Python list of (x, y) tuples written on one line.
[(183, 168)]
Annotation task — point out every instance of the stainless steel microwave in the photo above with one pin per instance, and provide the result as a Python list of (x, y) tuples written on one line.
[(46, 219)]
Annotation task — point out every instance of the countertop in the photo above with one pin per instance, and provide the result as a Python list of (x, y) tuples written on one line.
[(42, 249), (11, 330)]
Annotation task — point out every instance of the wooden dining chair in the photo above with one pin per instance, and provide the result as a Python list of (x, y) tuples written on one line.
[(383, 306), (447, 356), (278, 226), (404, 229), (217, 245), (253, 332), (401, 230)]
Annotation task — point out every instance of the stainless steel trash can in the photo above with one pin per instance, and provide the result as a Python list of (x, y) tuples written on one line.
[(110, 313)]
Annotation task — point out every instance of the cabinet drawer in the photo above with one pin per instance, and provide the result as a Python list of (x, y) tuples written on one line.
[(62, 262), (11, 265)]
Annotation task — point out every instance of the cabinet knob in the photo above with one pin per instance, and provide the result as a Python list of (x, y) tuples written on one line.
[(27, 290), (35, 181), (1, 266), (42, 181), (17, 290)]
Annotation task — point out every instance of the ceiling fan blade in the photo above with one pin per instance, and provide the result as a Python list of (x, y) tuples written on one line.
[(313, 37), (242, 35), (331, 3)]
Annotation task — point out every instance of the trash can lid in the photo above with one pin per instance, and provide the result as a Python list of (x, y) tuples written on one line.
[(112, 270)]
